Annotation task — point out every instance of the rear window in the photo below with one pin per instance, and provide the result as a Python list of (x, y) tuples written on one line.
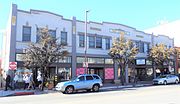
[(96, 77), (89, 78)]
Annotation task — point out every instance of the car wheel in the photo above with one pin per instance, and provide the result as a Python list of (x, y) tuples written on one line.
[(69, 90), (95, 88), (176, 81), (165, 82)]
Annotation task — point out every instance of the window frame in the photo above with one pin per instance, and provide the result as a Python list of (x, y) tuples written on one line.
[(26, 37)]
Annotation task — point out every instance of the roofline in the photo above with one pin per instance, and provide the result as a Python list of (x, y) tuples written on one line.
[(31, 10)]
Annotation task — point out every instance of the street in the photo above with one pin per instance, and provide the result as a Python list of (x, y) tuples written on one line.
[(169, 94)]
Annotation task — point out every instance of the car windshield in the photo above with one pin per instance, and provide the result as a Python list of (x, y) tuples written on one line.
[(162, 76)]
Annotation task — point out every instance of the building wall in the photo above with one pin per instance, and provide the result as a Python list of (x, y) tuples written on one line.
[(39, 19)]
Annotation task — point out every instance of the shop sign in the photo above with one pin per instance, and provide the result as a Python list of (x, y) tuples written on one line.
[(95, 28), (139, 36), (109, 73), (119, 31), (140, 62)]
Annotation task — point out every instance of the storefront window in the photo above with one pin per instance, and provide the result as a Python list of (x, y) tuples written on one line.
[(64, 73), (80, 59), (96, 60), (148, 62), (108, 61), (65, 60)]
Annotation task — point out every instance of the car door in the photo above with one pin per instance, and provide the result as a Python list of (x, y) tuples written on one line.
[(80, 83), (89, 81), (168, 78)]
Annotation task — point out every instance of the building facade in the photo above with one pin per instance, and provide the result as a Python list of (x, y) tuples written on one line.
[(22, 30)]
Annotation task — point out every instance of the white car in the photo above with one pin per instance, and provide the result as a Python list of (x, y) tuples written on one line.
[(166, 79), (82, 82)]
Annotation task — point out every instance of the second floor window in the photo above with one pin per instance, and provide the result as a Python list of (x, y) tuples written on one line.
[(52, 33), (98, 42), (26, 36), (81, 40), (91, 42), (64, 37), (107, 43)]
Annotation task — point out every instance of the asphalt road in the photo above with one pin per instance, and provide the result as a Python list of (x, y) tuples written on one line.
[(169, 94)]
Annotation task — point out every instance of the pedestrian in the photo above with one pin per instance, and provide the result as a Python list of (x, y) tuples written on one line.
[(26, 81), (31, 83), (15, 81), (40, 80), (8, 81)]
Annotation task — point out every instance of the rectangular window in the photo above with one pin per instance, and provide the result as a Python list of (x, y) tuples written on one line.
[(52, 33), (81, 40), (37, 34), (26, 33), (146, 47), (63, 37), (108, 61), (137, 44), (80, 59), (64, 60), (141, 48), (98, 42), (107, 43), (96, 60), (91, 42)]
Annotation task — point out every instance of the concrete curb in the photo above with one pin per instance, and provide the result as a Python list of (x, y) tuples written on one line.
[(126, 86)]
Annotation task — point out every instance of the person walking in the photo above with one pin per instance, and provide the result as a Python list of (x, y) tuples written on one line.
[(15, 81), (8, 81), (40, 80), (26, 81), (31, 83)]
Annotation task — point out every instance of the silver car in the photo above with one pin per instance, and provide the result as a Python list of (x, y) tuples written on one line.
[(166, 79), (82, 82)]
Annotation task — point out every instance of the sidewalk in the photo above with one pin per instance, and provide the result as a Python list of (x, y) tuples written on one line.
[(117, 86), (37, 92), (23, 92)]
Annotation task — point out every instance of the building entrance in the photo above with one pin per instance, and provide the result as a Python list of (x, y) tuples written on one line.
[(98, 71)]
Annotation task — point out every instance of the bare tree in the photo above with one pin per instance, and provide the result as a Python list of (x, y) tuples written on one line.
[(45, 52)]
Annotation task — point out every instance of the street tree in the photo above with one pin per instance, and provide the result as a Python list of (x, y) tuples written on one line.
[(123, 51), (46, 51), (160, 55)]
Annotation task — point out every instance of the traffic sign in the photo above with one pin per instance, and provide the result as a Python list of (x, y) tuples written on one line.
[(12, 65)]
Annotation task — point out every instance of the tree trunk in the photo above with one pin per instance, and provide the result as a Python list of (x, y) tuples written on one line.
[(121, 74), (154, 69), (43, 77)]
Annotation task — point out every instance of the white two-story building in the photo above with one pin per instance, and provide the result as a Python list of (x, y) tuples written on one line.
[(23, 26)]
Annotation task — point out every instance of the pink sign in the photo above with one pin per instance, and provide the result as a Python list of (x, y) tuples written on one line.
[(80, 71), (109, 73)]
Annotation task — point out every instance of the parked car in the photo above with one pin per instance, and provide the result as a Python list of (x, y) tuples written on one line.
[(82, 82), (166, 79)]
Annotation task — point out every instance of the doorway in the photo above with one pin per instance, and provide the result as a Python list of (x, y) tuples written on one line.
[(98, 71)]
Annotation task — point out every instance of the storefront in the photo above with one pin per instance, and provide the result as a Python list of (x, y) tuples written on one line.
[(100, 66)]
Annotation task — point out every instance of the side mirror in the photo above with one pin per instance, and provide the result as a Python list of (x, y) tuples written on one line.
[(77, 80)]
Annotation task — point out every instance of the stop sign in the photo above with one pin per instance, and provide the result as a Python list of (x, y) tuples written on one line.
[(12, 65)]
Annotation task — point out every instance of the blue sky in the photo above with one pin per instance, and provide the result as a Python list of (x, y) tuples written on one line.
[(140, 14)]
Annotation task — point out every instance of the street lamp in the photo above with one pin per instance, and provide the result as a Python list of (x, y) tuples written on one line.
[(86, 62)]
